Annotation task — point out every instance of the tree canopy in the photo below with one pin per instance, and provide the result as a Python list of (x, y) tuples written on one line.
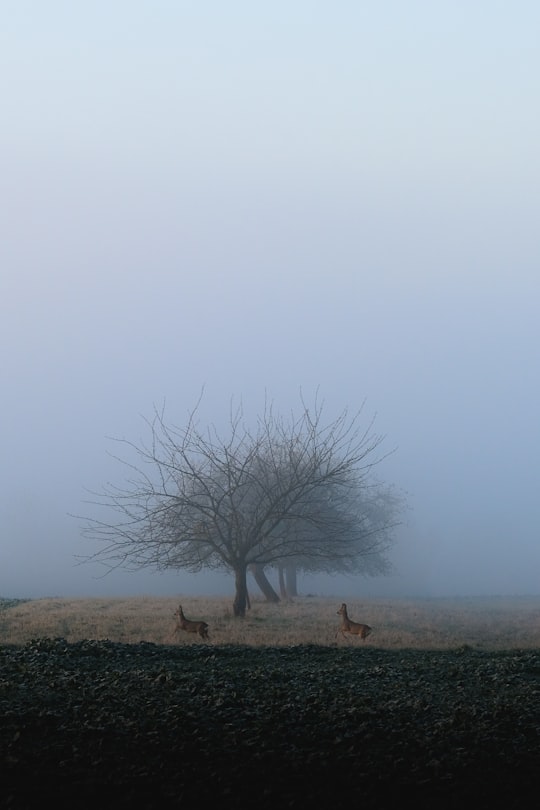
[(296, 491)]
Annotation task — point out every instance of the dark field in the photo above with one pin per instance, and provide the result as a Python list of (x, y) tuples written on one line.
[(156, 726)]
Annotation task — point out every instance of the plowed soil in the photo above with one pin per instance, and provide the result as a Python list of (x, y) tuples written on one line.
[(154, 726)]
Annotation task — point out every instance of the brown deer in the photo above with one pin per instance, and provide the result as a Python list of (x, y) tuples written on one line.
[(190, 627), (348, 626)]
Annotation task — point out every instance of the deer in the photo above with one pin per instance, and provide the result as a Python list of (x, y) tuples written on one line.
[(348, 626), (190, 627)]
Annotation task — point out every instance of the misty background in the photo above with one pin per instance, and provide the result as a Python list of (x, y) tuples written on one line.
[(260, 200)]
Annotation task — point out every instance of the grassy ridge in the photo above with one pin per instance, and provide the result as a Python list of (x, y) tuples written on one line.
[(481, 623)]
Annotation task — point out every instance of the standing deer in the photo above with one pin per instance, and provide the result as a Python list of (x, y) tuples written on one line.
[(348, 626), (190, 627)]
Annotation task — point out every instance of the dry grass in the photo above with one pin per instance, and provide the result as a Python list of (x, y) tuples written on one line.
[(494, 623)]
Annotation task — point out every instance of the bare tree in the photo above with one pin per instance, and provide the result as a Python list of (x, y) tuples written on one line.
[(259, 497), (374, 513)]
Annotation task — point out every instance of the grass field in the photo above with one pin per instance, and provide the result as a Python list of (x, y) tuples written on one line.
[(100, 704), (491, 623)]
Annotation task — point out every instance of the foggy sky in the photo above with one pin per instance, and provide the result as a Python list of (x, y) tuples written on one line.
[(262, 199)]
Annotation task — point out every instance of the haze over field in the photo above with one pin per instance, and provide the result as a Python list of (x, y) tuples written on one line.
[(262, 199)]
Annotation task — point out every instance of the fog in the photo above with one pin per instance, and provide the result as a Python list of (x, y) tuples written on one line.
[(260, 200)]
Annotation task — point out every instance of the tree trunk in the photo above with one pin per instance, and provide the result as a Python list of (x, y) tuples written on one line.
[(261, 580), (241, 593), (290, 578), (282, 586), (287, 581)]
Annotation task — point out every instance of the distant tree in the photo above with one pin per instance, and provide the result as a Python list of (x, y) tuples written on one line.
[(285, 491), (374, 512)]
